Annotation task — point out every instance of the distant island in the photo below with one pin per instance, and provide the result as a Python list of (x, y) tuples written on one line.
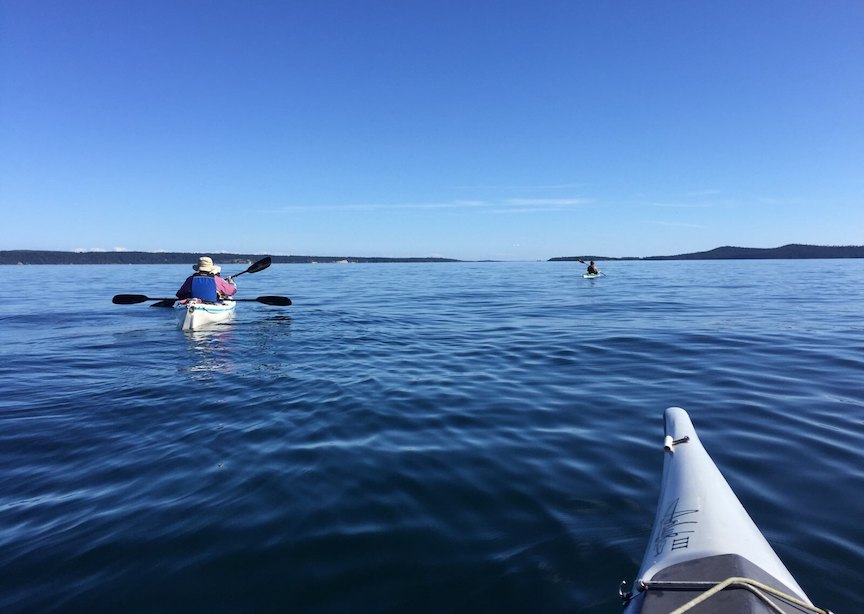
[(790, 252), (48, 257), (793, 251)]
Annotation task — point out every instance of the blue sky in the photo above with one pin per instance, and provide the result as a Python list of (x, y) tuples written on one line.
[(515, 130)]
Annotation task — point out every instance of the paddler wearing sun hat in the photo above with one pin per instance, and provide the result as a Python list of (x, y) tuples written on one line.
[(205, 284)]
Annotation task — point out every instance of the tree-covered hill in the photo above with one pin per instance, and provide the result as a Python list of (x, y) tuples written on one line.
[(792, 251), (51, 257)]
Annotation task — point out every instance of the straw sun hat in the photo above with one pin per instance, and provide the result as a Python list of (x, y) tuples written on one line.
[(205, 265)]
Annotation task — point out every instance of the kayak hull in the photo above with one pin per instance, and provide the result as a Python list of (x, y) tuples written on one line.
[(701, 536), (195, 315), (592, 275)]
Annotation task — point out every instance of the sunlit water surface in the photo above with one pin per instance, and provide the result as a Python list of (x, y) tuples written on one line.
[(417, 437)]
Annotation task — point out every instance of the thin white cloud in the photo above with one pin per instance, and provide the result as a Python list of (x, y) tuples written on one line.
[(517, 210), (676, 224), (776, 201), (545, 202), (459, 204), (523, 188), (683, 205), (82, 250), (498, 206), (705, 192)]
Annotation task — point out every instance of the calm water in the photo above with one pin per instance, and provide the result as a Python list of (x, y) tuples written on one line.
[(417, 438)]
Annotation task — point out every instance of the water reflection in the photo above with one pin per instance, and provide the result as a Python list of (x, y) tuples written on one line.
[(210, 351)]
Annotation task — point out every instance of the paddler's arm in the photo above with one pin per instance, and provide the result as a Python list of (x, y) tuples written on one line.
[(225, 288), (185, 290)]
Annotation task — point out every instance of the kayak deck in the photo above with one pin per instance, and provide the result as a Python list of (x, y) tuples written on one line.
[(667, 592), (703, 536)]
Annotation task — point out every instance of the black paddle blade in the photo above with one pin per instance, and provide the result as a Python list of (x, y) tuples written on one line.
[(165, 302), (282, 301), (256, 266), (128, 299), (260, 265)]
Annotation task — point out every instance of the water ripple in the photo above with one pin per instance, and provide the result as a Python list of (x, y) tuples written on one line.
[(474, 437)]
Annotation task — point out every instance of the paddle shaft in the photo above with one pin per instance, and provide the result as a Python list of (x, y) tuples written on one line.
[(256, 267), (134, 299)]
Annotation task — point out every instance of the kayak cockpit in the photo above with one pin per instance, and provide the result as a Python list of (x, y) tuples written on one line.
[(735, 585)]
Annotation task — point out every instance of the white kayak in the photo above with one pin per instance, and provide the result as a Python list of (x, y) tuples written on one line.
[(704, 546), (195, 314), (592, 275)]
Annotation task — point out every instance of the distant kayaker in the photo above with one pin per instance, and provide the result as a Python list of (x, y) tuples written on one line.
[(592, 269), (205, 284)]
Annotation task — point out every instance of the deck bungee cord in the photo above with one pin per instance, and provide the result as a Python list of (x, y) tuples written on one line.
[(713, 588)]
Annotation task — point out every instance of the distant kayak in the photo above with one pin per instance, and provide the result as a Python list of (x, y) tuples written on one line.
[(593, 275), (704, 546)]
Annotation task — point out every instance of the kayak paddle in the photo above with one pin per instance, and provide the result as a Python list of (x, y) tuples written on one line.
[(166, 303), (256, 267), (134, 299)]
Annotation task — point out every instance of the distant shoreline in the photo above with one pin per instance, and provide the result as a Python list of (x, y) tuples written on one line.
[(786, 252), (55, 257), (793, 251)]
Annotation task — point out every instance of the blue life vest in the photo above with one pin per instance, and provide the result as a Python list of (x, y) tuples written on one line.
[(204, 288)]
